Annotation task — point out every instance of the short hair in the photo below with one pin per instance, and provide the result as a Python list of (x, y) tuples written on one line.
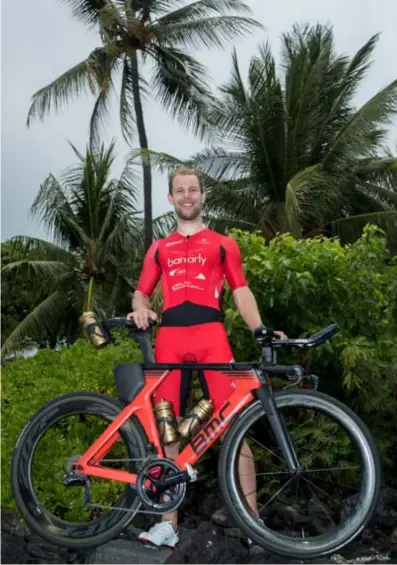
[(184, 170)]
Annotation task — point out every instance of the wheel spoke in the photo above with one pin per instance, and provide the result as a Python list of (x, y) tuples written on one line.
[(66, 427), (292, 505)]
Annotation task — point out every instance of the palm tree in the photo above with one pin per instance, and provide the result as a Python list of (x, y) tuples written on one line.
[(295, 154), (94, 253), (136, 33)]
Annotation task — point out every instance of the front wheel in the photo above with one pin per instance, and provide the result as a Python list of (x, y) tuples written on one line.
[(323, 507), (61, 430)]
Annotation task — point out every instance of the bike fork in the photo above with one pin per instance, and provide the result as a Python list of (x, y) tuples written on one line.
[(283, 439)]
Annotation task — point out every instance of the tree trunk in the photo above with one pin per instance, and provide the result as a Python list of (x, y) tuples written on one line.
[(147, 172)]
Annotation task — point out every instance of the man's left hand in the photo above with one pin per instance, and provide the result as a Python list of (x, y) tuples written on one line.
[(280, 335)]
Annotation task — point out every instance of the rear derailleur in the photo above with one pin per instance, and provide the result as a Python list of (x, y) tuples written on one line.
[(72, 479)]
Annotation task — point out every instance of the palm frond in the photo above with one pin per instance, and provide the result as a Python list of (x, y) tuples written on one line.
[(352, 76), (163, 162), (51, 206), (44, 316), (86, 11), (317, 194), (378, 111), (39, 270), (127, 115), (79, 155), (102, 67), (180, 84), (379, 193), (350, 229), (120, 241), (146, 9), (240, 198), (223, 223), (57, 214), (129, 181), (62, 91), (227, 114), (203, 9), (265, 123), (373, 166), (208, 32), (216, 162), (163, 225), (34, 248)]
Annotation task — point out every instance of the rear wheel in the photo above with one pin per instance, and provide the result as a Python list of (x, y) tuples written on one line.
[(62, 430), (324, 507)]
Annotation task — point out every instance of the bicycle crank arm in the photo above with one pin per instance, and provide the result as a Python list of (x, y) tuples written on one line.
[(164, 484)]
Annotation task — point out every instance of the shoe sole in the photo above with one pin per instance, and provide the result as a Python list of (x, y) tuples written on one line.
[(149, 544)]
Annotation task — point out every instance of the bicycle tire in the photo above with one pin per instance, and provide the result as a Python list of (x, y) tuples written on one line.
[(278, 543), (69, 534)]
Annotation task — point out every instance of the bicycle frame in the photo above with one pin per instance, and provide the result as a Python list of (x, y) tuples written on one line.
[(251, 382), (246, 381)]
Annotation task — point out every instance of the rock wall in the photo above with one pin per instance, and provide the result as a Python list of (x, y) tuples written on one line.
[(201, 541)]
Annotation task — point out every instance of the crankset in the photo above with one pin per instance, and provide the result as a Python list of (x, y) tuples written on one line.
[(161, 485)]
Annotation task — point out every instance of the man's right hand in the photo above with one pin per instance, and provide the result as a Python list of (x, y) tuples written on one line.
[(141, 317)]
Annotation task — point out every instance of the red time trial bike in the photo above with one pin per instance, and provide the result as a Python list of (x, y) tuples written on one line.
[(317, 468)]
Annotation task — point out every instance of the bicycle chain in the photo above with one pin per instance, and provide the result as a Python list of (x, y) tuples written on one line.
[(107, 507)]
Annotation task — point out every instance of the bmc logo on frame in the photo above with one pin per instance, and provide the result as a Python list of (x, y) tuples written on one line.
[(189, 260)]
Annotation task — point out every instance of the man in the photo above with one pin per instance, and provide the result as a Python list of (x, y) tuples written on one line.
[(193, 263)]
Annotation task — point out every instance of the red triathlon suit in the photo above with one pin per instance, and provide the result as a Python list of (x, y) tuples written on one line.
[(193, 270)]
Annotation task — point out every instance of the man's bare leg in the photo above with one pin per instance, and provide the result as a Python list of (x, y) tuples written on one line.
[(246, 470), (171, 451)]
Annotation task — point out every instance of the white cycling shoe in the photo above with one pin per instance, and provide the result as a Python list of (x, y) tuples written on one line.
[(161, 534)]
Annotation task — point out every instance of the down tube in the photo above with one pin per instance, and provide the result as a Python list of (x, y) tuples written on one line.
[(213, 430)]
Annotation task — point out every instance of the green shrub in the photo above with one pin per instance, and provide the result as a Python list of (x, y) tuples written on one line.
[(304, 285), (300, 286), (28, 383)]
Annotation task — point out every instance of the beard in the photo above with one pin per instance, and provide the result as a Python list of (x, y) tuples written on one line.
[(191, 214)]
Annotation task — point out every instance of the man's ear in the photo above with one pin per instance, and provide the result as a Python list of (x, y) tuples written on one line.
[(170, 199)]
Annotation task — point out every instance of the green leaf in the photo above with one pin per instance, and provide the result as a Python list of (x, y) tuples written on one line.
[(180, 84)]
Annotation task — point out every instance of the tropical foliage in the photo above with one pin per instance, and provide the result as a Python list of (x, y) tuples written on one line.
[(156, 34), (302, 286), (30, 383), (18, 296), (295, 154), (93, 254)]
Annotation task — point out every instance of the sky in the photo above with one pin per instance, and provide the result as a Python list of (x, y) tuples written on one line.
[(40, 41)]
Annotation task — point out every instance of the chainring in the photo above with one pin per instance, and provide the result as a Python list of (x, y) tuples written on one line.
[(151, 476)]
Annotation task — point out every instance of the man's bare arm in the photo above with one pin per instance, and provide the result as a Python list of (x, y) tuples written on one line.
[(246, 304), (140, 300), (141, 311)]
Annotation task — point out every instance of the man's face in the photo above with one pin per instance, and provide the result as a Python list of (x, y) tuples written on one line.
[(186, 197)]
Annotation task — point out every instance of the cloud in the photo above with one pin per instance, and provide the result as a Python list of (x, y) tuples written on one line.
[(40, 41)]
